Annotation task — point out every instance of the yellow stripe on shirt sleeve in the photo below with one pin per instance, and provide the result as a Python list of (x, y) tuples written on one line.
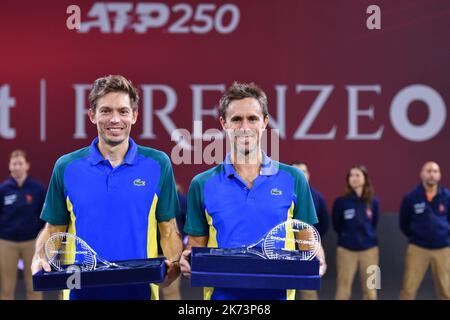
[(212, 243), (152, 245)]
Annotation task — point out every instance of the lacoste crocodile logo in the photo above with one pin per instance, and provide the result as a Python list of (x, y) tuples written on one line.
[(139, 183), (276, 192)]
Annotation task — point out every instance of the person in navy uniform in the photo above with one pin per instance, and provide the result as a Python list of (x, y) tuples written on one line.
[(21, 201), (322, 215), (424, 220), (355, 217)]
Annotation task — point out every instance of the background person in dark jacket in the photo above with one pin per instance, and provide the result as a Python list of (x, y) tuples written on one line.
[(424, 219), (21, 201), (322, 216), (355, 216)]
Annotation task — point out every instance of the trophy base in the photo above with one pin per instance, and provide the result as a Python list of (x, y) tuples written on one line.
[(210, 268), (128, 272)]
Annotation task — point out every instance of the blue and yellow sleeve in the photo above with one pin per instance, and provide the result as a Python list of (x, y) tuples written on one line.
[(55, 210), (304, 209), (196, 223), (167, 206)]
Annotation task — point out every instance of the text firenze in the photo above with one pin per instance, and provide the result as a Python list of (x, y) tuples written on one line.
[(150, 111)]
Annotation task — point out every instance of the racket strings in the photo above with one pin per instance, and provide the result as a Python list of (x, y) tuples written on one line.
[(292, 240), (64, 249)]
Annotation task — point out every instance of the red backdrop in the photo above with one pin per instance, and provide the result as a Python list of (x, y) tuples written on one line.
[(281, 45)]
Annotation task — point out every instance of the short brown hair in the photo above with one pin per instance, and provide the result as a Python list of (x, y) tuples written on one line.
[(239, 91), (113, 83), (18, 153)]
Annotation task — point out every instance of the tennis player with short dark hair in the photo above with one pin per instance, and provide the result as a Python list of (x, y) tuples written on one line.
[(237, 202)]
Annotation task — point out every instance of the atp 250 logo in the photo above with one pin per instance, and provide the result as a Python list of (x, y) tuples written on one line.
[(119, 17)]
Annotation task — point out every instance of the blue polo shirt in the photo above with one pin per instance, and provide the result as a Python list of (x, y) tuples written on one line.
[(115, 210), (20, 208), (222, 207)]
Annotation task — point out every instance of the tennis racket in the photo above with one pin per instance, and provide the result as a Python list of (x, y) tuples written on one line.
[(292, 240), (63, 249), (289, 240)]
